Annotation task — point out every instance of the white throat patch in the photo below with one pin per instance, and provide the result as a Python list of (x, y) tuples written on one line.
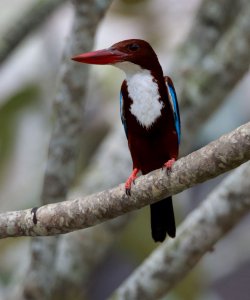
[(143, 91)]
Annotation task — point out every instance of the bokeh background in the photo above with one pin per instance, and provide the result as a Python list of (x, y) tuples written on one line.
[(29, 78)]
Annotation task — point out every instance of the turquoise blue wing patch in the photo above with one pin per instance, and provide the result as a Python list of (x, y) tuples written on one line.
[(123, 115), (175, 107)]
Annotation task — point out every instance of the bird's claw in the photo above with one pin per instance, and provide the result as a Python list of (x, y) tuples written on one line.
[(168, 165), (128, 191), (129, 182)]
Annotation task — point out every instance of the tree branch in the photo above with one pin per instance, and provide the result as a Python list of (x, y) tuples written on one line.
[(170, 262), (218, 157), (28, 22)]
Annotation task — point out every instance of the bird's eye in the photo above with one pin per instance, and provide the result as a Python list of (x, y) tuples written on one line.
[(133, 47)]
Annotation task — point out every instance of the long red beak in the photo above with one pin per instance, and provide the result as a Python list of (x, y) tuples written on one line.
[(101, 57)]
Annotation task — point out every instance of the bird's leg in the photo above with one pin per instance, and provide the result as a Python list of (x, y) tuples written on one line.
[(131, 180), (168, 165)]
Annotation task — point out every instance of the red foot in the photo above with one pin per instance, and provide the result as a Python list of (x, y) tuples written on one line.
[(131, 180), (169, 165)]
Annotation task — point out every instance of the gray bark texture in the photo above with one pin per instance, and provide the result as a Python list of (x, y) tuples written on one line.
[(220, 156)]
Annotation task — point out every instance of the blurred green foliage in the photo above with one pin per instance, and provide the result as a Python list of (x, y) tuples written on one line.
[(9, 116)]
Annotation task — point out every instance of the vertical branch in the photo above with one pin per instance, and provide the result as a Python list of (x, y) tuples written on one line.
[(65, 141)]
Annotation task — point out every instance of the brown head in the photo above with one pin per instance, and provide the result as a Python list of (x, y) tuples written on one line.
[(135, 51)]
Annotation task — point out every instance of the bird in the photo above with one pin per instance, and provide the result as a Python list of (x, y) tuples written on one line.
[(150, 116)]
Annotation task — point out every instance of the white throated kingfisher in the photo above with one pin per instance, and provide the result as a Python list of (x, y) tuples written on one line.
[(150, 116)]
